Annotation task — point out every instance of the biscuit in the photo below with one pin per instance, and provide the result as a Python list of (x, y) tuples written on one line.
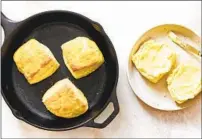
[(184, 82), (65, 100), (153, 60), (35, 61), (82, 56)]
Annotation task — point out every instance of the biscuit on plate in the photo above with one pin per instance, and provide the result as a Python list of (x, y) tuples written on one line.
[(153, 60), (184, 82)]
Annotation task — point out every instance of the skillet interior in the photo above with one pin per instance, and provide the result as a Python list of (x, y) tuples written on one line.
[(53, 29)]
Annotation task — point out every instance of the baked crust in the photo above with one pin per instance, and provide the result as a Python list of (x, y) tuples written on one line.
[(82, 56), (35, 61), (65, 100)]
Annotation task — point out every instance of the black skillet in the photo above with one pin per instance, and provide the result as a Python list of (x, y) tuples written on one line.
[(53, 28)]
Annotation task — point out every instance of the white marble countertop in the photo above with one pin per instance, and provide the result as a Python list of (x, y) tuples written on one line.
[(124, 22)]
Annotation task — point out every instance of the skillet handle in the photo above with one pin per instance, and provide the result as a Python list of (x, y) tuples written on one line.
[(93, 124), (7, 24)]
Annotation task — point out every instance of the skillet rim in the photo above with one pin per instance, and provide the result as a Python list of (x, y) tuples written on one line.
[(113, 92)]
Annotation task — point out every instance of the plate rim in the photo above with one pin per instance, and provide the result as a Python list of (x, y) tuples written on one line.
[(129, 77)]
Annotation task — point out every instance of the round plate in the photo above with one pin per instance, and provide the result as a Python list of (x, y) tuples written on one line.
[(157, 95)]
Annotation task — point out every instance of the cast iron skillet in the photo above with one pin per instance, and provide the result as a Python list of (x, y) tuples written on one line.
[(53, 28)]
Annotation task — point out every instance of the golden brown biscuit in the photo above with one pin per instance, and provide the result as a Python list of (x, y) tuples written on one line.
[(82, 56), (35, 61), (65, 100)]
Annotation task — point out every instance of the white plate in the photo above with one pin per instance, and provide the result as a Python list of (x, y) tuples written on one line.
[(157, 95)]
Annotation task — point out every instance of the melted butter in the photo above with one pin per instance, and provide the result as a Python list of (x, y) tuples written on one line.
[(185, 82), (154, 60)]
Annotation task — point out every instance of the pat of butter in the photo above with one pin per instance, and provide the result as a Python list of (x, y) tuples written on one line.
[(184, 82), (153, 60)]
